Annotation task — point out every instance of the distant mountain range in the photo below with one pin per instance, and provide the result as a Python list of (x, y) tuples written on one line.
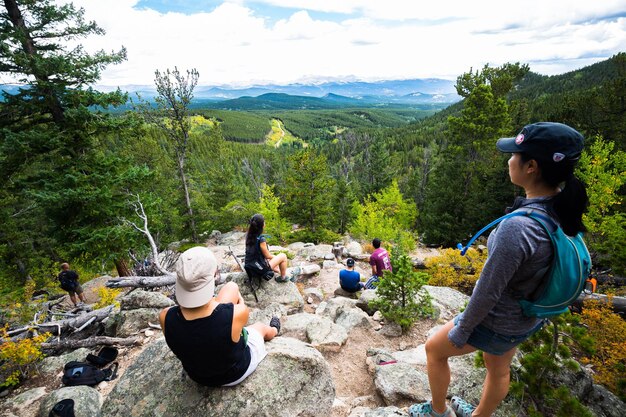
[(430, 91)]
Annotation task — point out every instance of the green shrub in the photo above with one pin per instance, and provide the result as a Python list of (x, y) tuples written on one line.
[(451, 269), (269, 207), (387, 216), (545, 355), (397, 293)]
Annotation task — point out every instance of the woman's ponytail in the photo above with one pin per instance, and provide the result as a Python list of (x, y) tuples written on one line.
[(570, 204)]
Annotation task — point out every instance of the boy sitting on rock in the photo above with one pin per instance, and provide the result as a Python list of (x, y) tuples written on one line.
[(349, 279)]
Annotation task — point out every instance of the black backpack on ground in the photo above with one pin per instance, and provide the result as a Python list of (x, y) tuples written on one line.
[(83, 373), (64, 408), (106, 355)]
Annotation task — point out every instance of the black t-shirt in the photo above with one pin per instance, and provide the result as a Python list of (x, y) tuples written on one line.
[(205, 346)]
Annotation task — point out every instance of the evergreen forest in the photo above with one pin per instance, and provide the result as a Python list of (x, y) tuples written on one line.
[(78, 164), (107, 180)]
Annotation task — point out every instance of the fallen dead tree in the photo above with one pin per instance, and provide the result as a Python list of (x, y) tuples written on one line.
[(166, 280), (93, 341), (75, 323), (142, 282), (617, 303)]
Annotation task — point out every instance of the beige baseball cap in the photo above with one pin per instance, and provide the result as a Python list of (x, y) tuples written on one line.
[(195, 277)]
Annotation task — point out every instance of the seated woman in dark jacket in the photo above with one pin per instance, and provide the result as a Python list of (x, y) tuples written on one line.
[(207, 333), (258, 257)]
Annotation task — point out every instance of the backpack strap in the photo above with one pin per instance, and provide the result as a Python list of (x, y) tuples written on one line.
[(539, 215), (113, 370)]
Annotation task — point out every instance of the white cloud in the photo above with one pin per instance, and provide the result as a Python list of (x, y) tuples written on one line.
[(377, 40)]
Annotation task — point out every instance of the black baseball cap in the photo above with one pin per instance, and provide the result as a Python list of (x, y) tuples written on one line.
[(350, 262), (545, 140)]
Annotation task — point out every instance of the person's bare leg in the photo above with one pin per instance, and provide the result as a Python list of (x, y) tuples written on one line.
[(496, 384), (82, 297), (266, 331), (438, 350), (73, 298), (279, 261), (229, 293)]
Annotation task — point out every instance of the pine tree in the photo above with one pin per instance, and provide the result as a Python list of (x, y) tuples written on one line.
[(48, 127), (469, 185), (308, 188)]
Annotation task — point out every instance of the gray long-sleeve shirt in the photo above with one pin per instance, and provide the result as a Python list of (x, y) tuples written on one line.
[(518, 248)]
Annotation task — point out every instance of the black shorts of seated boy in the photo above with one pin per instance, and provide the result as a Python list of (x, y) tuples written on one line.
[(349, 279), (206, 332)]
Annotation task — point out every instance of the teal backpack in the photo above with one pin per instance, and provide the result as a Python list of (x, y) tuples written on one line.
[(564, 279)]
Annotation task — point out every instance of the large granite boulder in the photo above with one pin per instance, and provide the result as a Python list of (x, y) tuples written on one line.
[(265, 315), (137, 310), (354, 248), (128, 322), (285, 293), (293, 380), (52, 365), (145, 299), (22, 403), (353, 317), (316, 252), (334, 307), (365, 300), (87, 401), (400, 383), (321, 332), (447, 302)]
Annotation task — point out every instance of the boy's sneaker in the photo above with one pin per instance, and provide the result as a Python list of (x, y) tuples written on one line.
[(275, 322)]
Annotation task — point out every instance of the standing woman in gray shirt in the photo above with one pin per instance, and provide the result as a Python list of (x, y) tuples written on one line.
[(542, 163)]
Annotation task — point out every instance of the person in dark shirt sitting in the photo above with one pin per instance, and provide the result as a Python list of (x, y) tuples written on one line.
[(349, 279), (206, 332)]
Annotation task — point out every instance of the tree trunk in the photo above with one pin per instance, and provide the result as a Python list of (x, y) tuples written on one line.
[(183, 178), (617, 303), (92, 341), (59, 326), (142, 282), (122, 267)]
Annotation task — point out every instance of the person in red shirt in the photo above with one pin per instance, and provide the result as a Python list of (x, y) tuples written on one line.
[(380, 262)]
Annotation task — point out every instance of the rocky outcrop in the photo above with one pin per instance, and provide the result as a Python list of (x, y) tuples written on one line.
[(378, 412), (320, 332), (334, 307), (21, 403), (285, 293), (365, 301), (293, 380), (52, 365), (316, 252), (144, 299), (87, 401), (447, 302), (137, 310)]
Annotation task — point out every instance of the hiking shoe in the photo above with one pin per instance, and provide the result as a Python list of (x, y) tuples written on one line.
[(275, 323), (461, 407), (426, 410), (279, 278), (294, 274)]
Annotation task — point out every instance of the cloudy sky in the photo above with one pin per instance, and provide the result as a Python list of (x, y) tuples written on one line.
[(244, 42)]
